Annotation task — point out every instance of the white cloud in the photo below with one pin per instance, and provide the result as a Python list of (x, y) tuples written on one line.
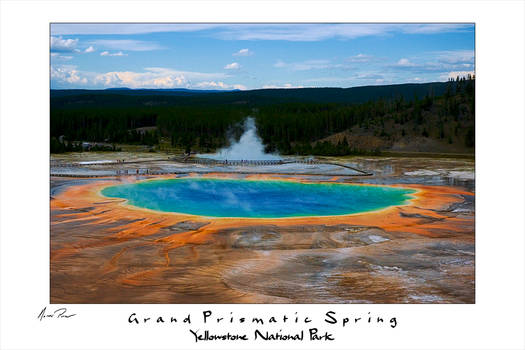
[(58, 44), (307, 65), (405, 62), (437, 61), (127, 45), (353, 79), (89, 49), (211, 84), (369, 76), (69, 74), (361, 58), (219, 85), (329, 79), (429, 28), (155, 77), (152, 77), (58, 56), (233, 65), (139, 80), (240, 87), (243, 52), (456, 56), (283, 86), (190, 75), (107, 53)]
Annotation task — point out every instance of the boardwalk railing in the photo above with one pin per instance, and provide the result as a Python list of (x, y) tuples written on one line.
[(244, 162), (208, 162)]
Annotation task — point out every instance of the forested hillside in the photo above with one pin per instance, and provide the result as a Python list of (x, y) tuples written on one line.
[(438, 117), (427, 123)]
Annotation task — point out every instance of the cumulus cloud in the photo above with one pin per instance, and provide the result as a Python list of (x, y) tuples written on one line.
[(139, 80), (233, 65), (89, 49), (152, 77), (107, 53), (58, 44), (156, 77), (67, 73), (243, 52)]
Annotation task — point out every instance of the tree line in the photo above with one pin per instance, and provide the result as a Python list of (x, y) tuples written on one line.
[(286, 127)]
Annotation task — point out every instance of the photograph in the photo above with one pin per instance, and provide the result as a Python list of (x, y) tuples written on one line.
[(341, 172), (300, 163)]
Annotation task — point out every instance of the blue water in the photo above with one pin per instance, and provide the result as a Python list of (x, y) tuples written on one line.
[(256, 199)]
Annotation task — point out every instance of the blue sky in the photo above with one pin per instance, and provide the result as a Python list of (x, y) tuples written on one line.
[(254, 56)]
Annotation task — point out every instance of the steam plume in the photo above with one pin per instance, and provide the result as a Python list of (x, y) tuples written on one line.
[(249, 146)]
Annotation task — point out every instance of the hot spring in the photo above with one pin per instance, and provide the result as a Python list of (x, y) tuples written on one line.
[(257, 198)]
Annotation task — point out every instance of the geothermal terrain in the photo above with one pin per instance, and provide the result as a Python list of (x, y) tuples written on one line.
[(103, 251)]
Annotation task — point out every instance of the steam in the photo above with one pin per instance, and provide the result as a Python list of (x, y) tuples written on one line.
[(249, 146)]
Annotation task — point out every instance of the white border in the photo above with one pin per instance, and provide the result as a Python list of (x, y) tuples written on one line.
[(496, 321)]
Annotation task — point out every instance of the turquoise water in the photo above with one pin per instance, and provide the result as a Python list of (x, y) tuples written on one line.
[(256, 199)]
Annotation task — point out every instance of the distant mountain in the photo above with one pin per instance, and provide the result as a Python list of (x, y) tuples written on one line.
[(119, 97), (133, 92)]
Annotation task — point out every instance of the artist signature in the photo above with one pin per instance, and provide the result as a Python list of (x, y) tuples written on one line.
[(58, 313)]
